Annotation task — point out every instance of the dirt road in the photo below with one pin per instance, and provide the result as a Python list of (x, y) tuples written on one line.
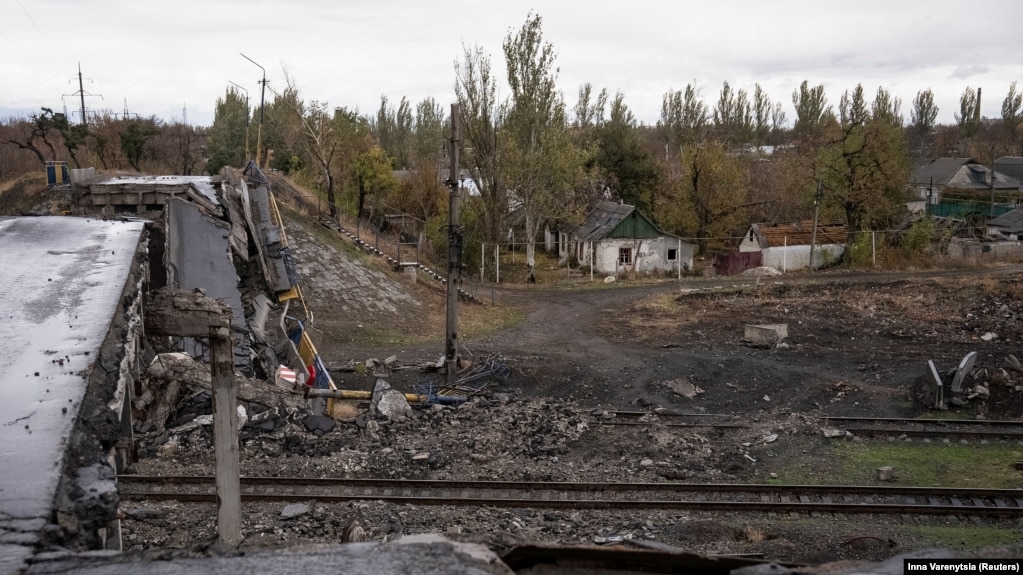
[(863, 338)]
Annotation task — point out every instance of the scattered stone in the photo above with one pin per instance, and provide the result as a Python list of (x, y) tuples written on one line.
[(989, 336), (243, 417), (294, 510), (354, 533), (1014, 364), (610, 280), (981, 391), (389, 403), (421, 456), (318, 424), (646, 462), (684, 388), (831, 432), (770, 438)]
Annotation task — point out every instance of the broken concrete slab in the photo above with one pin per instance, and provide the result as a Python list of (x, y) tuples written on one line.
[(937, 387), (964, 369), (768, 335), (185, 313), (199, 256)]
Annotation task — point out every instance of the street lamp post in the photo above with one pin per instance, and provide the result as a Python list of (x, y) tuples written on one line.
[(262, 94), (247, 114)]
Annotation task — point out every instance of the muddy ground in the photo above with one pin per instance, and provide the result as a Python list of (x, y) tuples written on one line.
[(857, 345)]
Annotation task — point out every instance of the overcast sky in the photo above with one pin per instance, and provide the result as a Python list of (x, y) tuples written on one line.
[(174, 59)]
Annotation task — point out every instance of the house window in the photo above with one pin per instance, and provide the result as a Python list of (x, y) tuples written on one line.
[(624, 256), (672, 254)]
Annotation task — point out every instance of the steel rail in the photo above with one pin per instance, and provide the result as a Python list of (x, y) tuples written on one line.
[(593, 495)]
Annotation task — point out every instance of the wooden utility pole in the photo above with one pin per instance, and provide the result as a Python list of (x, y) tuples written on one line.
[(454, 253)]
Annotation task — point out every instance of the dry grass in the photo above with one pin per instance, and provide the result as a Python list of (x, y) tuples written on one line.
[(750, 534)]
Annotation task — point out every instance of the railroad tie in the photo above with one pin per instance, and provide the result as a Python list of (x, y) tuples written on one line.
[(764, 498)]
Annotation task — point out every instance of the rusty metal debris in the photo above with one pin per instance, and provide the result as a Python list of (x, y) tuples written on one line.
[(471, 381)]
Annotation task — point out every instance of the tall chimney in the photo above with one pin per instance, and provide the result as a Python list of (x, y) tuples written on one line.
[(976, 113)]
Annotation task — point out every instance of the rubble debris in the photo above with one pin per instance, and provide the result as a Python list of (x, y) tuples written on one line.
[(989, 336), (169, 371), (285, 377)]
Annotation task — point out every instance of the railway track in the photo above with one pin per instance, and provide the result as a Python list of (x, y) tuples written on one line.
[(812, 499), (863, 426)]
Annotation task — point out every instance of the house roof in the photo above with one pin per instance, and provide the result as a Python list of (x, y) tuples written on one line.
[(940, 169), (961, 173), (799, 234), (1011, 166), (1011, 222), (602, 219)]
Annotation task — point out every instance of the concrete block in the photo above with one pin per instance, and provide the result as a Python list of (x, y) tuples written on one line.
[(766, 334), (886, 473)]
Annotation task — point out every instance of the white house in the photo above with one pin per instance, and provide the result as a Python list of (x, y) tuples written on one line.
[(617, 237)]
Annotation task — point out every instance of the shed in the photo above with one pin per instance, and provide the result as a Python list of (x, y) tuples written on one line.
[(617, 237), (1008, 226), (786, 247)]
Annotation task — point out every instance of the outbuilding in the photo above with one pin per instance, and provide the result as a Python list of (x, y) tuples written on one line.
[(787, 247)]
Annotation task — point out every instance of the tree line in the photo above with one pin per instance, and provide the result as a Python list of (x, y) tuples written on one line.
[(705, 170)]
